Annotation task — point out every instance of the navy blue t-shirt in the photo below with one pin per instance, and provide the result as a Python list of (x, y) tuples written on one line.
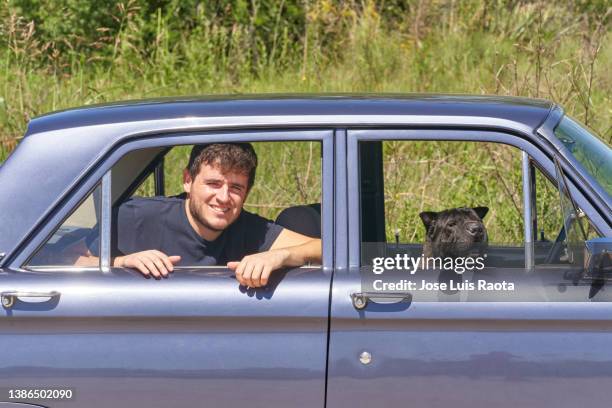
[(161, 223)]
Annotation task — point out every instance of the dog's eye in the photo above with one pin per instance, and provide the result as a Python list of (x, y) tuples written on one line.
[(451, 224)]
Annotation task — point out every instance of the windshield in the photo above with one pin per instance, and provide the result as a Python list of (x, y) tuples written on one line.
[(592, 153)]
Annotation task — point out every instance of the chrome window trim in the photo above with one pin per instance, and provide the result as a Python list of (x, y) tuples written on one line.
[(59, 268), (81, 269), (527, 211), (105, 223)]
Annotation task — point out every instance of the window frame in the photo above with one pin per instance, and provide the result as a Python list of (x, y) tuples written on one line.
[(102, 174), (530, 155)]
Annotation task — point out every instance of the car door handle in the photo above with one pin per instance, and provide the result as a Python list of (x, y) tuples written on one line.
[(8, 298), (361, 299)]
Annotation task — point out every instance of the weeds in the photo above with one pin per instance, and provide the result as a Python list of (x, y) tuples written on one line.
[(65, 54)]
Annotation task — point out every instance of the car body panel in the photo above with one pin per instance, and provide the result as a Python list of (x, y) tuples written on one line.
[(467, 353), (196, 338), (531, 112)]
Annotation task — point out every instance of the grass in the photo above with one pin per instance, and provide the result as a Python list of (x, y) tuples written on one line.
[(522, 48)]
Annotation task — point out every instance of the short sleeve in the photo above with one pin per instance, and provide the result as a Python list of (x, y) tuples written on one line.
[(121, 234), (250, 234)]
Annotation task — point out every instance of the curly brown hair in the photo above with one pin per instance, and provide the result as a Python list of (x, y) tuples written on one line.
[(229, 157)]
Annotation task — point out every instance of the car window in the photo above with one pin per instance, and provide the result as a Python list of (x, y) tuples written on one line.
[(590, 151), (443, 216), (421, 178), (551, 239), (286, 191), (70, 243), (286, 194)]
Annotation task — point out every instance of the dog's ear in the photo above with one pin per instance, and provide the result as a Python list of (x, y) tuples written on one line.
[(428, 217), (481, 211)]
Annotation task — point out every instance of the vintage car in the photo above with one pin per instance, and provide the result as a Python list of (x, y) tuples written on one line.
[(537, 332)]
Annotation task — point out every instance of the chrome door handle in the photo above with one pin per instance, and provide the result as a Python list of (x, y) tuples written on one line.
[(360, 299), (8, 298)]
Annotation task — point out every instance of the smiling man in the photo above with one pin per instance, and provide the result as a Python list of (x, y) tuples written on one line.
[(208, 226)]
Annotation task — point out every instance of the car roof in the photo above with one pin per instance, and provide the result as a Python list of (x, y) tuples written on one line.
[(529, 112)]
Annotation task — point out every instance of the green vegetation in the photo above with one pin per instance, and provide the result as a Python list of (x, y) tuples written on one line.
[(288, 173), (66, 53)]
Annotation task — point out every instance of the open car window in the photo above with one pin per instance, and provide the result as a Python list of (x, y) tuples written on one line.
[(445, 221), (419, 180), (287, 193)]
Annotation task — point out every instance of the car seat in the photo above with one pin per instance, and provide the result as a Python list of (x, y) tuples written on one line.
[(303, 219)]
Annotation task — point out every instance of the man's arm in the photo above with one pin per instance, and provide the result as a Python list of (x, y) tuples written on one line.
[(149, 263), (289, 249)]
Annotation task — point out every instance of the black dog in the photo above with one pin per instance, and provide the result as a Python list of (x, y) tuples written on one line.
[(456, 232)]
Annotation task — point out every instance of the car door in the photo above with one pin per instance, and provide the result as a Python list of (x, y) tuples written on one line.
[(112, 338), (545, 342)]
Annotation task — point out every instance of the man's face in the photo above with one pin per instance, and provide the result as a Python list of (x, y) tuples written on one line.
[(215, 198)]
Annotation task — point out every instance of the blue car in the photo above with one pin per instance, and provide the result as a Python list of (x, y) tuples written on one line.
[(527, 322)]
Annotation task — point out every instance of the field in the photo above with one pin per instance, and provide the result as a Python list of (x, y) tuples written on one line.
[(56, 55)]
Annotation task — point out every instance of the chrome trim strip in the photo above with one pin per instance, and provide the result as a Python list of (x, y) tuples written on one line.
[(105, 223), (79, 269), (59, 268), (341, 238), (354, 200), (327, 210), (527, 212)]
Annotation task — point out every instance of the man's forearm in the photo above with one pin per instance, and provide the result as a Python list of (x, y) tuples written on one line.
[(308, 252), (91, 260), (87, 260)]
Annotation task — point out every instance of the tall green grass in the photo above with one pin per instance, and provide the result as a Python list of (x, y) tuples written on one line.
[(57, 55), (558, 51)]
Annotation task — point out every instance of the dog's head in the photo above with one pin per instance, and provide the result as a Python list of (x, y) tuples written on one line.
[(455, 232)]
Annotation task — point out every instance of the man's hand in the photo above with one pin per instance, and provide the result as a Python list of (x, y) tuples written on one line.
[(149, 263), (254, 270)]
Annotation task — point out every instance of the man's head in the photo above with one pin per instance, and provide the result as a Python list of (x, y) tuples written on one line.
[(228, 157), (217, 181)]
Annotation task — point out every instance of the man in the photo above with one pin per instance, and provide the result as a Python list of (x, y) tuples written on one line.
[(209, 226)]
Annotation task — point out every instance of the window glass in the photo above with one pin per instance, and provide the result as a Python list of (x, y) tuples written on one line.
[(591, 152), (70, 243), (551, 244)]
